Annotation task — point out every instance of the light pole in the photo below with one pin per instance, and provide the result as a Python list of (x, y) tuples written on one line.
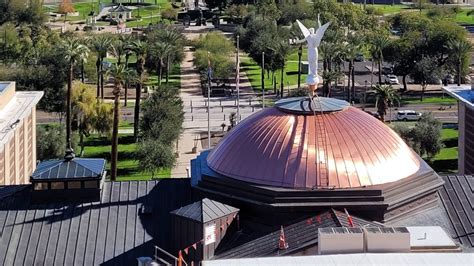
[(300, 53), (209, 99), (263, 80), (365, 95), (237, 80)]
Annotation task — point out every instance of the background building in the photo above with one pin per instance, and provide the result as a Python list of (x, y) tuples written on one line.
[(465, 97), (17, 134)]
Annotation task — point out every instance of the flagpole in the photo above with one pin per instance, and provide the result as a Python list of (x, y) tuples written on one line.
[(263, 78), (237, 81), (208, 100)]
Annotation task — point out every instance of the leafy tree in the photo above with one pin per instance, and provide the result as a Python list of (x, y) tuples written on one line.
[(154, 155), (269, 10), (50, 142), (66, 7), (74, 52), (426, 71), (384, 95), (162, 116), (424, 137), (119, 74), (459, 50), (89, 114), (220, 4)]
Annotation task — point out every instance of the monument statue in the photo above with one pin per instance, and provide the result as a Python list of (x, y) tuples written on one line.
[(313, 39)]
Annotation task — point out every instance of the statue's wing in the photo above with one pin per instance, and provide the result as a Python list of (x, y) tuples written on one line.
[(303, 29), (320, 33)]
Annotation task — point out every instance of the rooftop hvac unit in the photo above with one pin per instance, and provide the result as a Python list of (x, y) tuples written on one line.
[(340, 240), (387, 239)]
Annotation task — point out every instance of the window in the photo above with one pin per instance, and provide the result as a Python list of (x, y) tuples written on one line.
[(57, 185), (74, 185), (90, 184), (41, 186)]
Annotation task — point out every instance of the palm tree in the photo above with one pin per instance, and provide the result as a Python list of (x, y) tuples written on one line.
[(141, 50), (160, 51), (74, 52), (127, 40), (101, 44), (385, 95), (117, 49), (379, 43), (119, 74), (328, 78), (458, 49)]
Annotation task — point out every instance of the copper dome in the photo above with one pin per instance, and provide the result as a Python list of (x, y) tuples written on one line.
[(343, 149)]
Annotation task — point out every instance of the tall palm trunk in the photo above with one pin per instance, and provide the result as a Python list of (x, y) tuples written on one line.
[(160, 71), (98, 64), (138, 95), (126, 82), (459, 73), (404, 78), (82, 71), (167, 69), (379, 62), (114, 156), (281, 81), (353, 81), (349, 82), (68, 106), (102, 78)]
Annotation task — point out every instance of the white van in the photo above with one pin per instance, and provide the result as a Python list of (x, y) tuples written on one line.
[(408, 115)]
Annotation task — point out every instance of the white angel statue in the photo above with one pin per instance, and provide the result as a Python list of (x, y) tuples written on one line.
[(313, 39)]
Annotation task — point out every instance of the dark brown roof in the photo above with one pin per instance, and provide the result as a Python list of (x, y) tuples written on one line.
[(113, 231), (457, 195), (205, 210), (300, 235)]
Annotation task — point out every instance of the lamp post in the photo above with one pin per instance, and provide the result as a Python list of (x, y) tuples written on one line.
[(263, 80), (209, 100), (365, 94), (300, 53)]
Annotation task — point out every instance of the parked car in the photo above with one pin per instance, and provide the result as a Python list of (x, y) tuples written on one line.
[(359, 58), (391, 79), (450, 79), (387, 70), (408, 115)]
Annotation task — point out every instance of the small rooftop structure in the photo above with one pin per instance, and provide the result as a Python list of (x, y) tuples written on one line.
[(78, 178), (205, 210)]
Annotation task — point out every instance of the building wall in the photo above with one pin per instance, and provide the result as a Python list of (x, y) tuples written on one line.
[(18, 154), (468, 142)]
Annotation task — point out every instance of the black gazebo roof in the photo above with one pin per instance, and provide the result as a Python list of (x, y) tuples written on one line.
[(76, 168), (120, 8)]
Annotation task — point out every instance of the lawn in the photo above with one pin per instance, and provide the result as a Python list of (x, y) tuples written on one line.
[(446, 160), (127, 167), (447, 100), (390, 9), (290, 76), (463, 18)]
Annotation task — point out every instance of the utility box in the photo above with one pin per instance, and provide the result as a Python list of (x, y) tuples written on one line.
[(387, 239), (340, 240), (304, 67)]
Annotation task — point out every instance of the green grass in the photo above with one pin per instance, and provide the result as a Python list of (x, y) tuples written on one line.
[(290, 75), (127, 167), (430, 100), (463, 18), (446, 160), (390, 9)]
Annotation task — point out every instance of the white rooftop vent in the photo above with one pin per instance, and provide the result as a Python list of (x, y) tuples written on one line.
[(387, 239), (340, 240)]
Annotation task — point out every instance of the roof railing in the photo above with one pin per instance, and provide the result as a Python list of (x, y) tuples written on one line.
[(175, 259)]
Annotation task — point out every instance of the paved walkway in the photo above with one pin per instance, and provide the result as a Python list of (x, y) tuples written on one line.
[(195, 109)]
